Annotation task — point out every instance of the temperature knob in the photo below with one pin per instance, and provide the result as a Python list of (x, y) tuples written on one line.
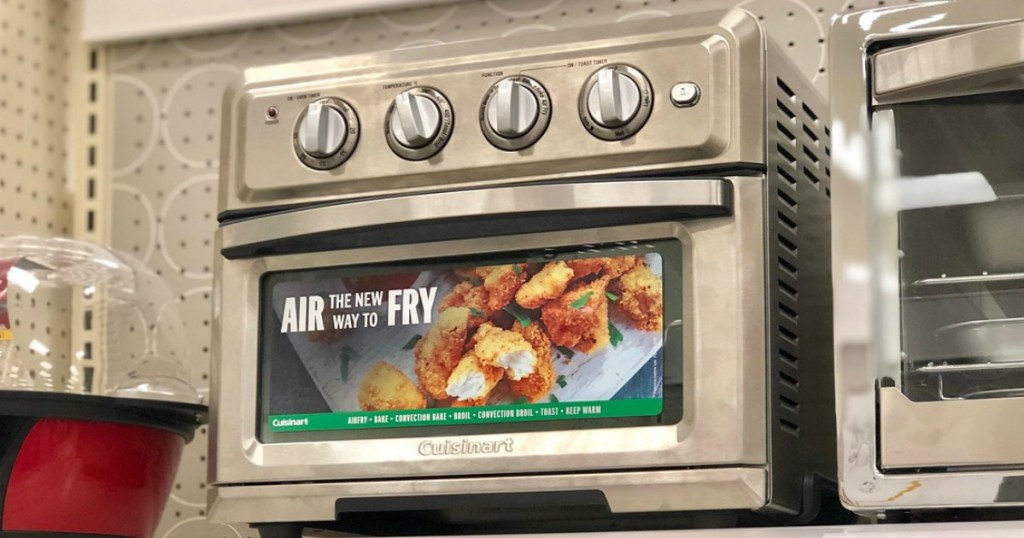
[(419, 123), (515, 113), (326, 133), (616, 102)]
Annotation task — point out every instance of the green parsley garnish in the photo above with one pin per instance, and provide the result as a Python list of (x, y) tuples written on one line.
[(518, 313), (561, 381), (582, 301), (566, 352), (347, 354), (614, 335), (516, 269), (476, 312), (611, 296), (520, 400), (553, 398)]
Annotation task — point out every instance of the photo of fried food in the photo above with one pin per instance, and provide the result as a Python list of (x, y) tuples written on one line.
[(547, 284), (501, 282), (504, 349), (606, 267), (537, 385), (387, 388), (473, 298), (440, 350), (579, 318), (472, 380), (640, 297)]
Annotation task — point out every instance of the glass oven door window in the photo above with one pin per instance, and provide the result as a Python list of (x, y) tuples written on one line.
[(961, 234)]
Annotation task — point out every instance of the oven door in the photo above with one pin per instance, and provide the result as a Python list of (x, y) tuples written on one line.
[(334, 325)]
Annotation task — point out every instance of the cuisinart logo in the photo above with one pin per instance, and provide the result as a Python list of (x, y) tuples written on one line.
[(464, 446)]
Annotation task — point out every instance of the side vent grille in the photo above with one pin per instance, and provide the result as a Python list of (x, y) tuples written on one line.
[(802, 148)]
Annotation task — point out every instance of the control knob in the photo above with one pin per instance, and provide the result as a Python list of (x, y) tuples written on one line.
[(419, 123), (615, 102), (326, 133), (515, 113)]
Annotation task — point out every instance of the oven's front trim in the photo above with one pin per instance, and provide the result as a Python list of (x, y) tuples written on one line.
[(724, 357), (737, 488), (866, 267)]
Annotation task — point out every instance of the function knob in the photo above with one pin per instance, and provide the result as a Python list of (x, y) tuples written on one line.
[(515, 113), (325, 133), (615, 102), (419, 123)]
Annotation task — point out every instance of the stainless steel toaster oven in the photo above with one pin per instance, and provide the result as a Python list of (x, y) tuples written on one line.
[(928, 108), (565, 279)]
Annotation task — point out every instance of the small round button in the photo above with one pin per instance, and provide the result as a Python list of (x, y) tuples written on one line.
[(325, 133), (419, 123), (684, 94), (515, 113), (616, 102), (415, 121), (322, 130)]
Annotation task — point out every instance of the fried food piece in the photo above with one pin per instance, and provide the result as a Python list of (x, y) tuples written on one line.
[(640, 297), (579, 318), (469, 403), (388, 388), (537, 385), (473, 380), (609, 267), (547, 284), (440, 350), (501, 283), (504, 349), (473, 298)]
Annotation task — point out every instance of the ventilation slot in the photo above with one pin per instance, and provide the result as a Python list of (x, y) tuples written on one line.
[(786, 155), (789, 335), (785, 132), (787, 199), (787, 222), (788, 266), (788, 290), (785, 88), (787, 176), (787, 244), (813, 178), (785, 110), (789, 427), (810, 134), (810, 155), (790, 359), (789, 381), (788, 312), (810, 113), (789, 404)]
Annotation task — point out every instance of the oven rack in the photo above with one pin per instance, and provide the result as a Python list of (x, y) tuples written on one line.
[(969, 279)]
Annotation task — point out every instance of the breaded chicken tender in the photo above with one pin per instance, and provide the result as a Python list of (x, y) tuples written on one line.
[(537, 385), (473, 380), (547, 284), (440, 350), (501, 283), (388, 388), (579, 318), (473, 298), (640, 297), (608, 267), (504, 349)]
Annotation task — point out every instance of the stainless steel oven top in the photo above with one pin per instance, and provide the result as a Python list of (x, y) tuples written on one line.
[(633, 97)]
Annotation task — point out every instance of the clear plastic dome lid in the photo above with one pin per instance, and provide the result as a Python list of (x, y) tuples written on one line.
[(79, 318)]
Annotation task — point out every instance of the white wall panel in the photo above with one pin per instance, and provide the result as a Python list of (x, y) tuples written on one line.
[(165, 122)]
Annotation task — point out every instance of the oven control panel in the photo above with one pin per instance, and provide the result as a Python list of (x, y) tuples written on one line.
[(646, 95)]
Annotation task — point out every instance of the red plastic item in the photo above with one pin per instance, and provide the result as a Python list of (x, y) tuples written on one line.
[(86, 477)]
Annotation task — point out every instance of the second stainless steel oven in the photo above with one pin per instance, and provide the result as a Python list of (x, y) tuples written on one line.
[(573, 284), (928, 102)]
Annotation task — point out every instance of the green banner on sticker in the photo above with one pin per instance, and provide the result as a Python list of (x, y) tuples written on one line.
[(465, 415)]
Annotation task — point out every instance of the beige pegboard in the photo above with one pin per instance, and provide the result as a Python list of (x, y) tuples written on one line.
[(165, 134), (33, 194)]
